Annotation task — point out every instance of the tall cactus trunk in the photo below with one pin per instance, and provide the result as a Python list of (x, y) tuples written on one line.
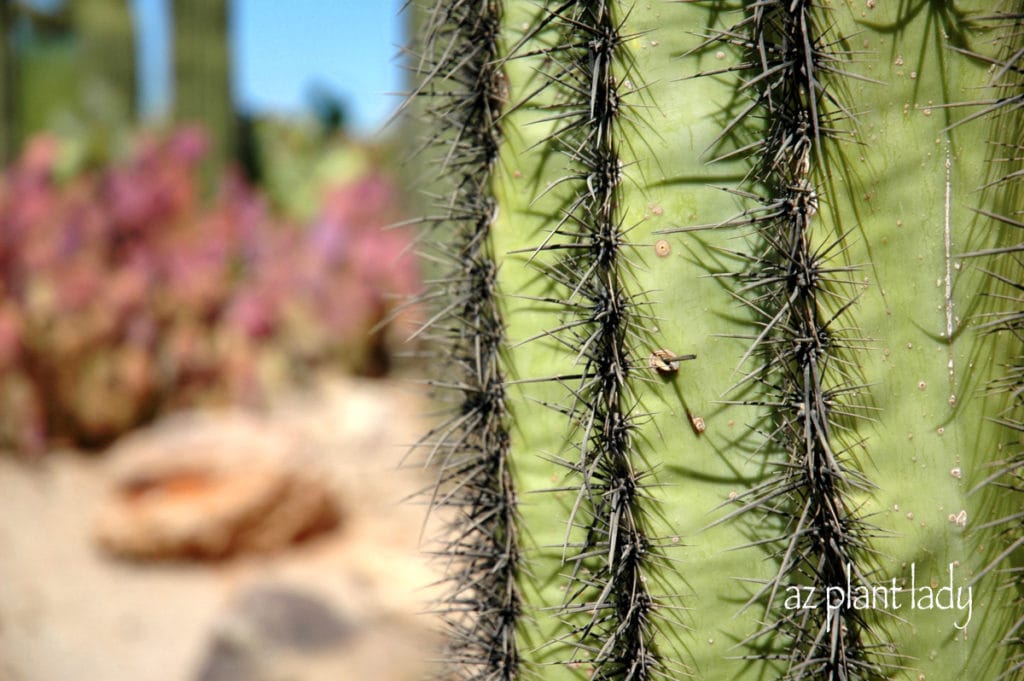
[(790, 191), (107, 34), (202, 74), (8, 85)]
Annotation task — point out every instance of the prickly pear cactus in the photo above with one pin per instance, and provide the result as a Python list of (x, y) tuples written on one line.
[(821, 202)]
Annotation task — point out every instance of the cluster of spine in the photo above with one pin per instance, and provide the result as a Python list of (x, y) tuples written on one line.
[(611, 614), (798, 355), (1006, 190), (464, 89)]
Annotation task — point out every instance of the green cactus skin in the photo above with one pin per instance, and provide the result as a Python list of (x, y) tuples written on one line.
[(688, 574)]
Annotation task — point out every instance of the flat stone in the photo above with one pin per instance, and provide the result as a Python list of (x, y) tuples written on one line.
[(188, 490)]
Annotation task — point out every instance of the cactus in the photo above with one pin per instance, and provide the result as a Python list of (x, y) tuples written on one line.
[(821, 201), (8, 84), (481, 605), (202, 75), (106, 33)]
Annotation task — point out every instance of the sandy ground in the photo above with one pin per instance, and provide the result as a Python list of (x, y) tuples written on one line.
[(69, 612)]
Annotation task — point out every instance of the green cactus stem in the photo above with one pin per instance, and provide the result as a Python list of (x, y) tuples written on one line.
[(788, 191)]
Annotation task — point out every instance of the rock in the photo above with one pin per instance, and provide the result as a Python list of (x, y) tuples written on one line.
[(205, 487), (228, 662), (287, 618), (275, 632)]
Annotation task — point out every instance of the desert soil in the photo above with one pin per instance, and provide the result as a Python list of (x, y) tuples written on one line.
[(69, 611)]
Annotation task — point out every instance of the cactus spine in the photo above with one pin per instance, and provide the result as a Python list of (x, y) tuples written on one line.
[(464, 91), (608, 605), (799, 297), (1006, 528)]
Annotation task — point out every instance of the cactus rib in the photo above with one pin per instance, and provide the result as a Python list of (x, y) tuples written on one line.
[(610, 612), (1004, 189), (462, 82), (800, 356)]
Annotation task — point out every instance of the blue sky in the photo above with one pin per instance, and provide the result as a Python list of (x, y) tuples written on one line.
[(283, 49)]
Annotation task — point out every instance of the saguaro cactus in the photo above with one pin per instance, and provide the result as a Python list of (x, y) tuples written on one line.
[(107, 36), (202, 73), (8, 84), (821, 201)]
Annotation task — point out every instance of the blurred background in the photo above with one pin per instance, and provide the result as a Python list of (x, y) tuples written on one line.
[(206, 378)]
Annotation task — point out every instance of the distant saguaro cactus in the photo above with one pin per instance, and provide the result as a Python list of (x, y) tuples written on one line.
[(107, 35), (8, 84), (202, 72), (822, 202)]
